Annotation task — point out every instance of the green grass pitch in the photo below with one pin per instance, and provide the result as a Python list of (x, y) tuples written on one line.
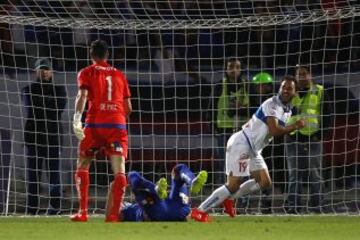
[(242, 227)]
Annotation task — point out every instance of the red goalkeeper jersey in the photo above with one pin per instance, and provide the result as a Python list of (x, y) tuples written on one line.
[(107, 92)]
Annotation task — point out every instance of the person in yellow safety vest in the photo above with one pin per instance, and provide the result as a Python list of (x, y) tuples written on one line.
[(304, 147), (228, 111)]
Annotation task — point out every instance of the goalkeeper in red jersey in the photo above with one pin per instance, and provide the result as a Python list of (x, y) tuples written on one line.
[(106, 90)]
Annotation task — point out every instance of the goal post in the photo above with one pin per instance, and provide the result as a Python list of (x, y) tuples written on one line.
[(175, 56)]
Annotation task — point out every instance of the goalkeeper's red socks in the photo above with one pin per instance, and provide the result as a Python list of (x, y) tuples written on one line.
[(82, 185), (118, 191)]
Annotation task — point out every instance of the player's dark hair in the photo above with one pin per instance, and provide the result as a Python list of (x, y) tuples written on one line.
[(232, 60), (290, 78), (98, 49), (302, 68)]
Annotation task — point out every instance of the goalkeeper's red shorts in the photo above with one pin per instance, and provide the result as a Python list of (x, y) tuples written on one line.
[(104, 140)]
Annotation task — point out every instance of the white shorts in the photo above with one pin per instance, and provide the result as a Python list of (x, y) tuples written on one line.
[(240, 160)]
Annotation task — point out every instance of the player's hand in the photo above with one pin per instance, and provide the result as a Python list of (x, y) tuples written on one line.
[(77, 126), (300, 123)]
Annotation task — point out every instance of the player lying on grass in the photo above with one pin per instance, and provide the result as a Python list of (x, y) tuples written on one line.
[(243, 151), (152, 200)]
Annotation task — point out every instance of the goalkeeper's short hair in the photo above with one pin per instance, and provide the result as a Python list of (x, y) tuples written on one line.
[(233, 60), (98, 49)]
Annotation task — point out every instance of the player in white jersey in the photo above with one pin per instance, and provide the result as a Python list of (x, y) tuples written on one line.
[(243, 151)]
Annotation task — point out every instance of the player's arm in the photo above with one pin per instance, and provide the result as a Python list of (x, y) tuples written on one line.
[(127, 96), (80, 103), (276, 130), (128, 106)]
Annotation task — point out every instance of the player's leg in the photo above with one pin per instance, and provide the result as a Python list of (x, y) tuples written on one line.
[(260, 178), (237, 159), (229, 203), (181, 178), (177, 206), (129, 212), (82, 182), (117, 148), (143, 189), (221, 193), (117, 187), (235, 183), (86, 151), (109, 202), (215, 199), (147, 196), (181, 175)]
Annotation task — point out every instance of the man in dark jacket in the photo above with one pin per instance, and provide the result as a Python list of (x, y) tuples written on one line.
[(44, 103)]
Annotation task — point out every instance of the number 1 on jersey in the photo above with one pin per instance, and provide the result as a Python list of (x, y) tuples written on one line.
[(109, 88)]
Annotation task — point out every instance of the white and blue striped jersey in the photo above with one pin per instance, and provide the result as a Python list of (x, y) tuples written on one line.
[(256, 129)]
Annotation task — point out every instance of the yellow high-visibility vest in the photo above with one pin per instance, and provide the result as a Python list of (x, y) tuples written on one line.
[(223, 119), (309, 109)]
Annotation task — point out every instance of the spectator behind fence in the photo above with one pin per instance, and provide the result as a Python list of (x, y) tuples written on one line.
[(44, 103), (229, 110), (304, 147)]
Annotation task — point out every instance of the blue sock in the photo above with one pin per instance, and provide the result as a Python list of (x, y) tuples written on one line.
[(183, 174)]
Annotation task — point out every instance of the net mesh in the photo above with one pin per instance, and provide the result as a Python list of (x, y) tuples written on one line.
[(174, 54)]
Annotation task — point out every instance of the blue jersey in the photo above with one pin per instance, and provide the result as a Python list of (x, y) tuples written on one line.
[(162, 210), (168, 210), (132, 213), (150, 207)]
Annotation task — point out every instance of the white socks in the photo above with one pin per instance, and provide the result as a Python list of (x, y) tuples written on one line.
[(216, 198), (222, 193), (246, 188)]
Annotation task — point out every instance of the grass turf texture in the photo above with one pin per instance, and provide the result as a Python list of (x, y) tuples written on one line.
[(243, 227)]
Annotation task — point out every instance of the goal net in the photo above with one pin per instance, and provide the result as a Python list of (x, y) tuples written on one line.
[(176, 55)]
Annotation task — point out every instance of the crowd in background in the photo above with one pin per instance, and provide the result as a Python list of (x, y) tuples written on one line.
[(329, 45)]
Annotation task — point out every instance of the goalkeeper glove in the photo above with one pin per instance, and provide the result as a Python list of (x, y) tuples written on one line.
[(77, 126)]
